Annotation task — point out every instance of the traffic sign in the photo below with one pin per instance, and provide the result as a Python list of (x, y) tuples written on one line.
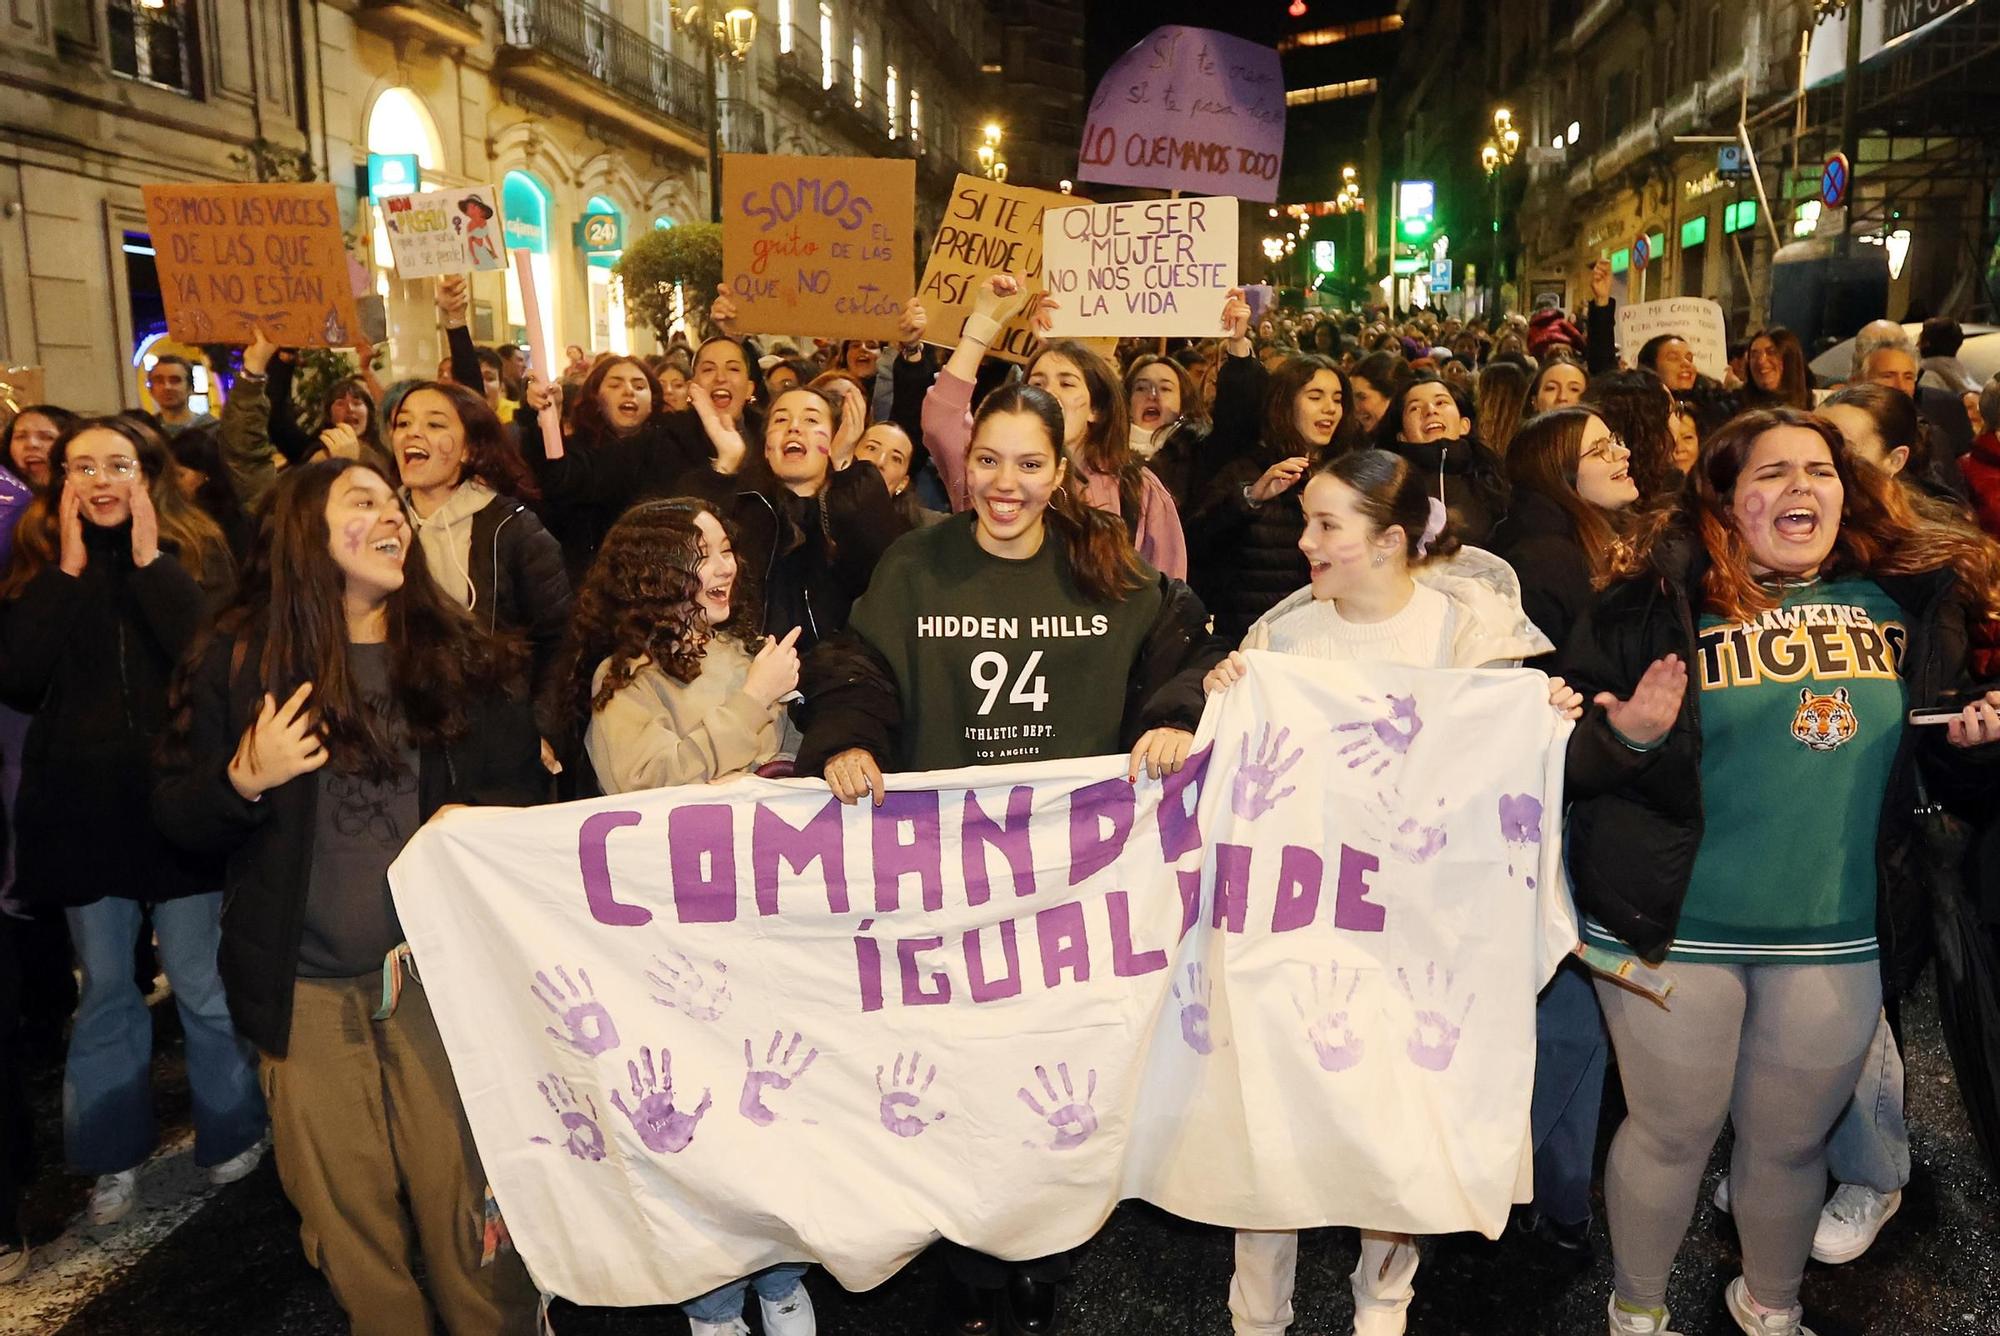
[(1642, 251), (1440, 275), (1834, 180)]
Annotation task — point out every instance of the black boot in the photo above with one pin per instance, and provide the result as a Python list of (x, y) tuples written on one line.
[(1032, 1305), (969, 1310)]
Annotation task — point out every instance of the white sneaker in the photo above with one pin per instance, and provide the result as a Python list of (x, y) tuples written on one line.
[(1850, 1221), (789, 1316), (111, 1199), (1755, 1323), (236, 1166), (736, 1326), (1618, 1322), (13, 1261)]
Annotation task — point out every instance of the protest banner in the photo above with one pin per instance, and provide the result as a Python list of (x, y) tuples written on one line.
[(235, 259), (1696, 319), (989, 228), (19, 387), (1141, 267), (436, 232), (819, 244), (1189, 109), (699, 1031)]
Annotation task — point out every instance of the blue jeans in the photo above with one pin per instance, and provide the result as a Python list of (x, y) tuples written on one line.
[(1570, 1052), (726, 1303), (107, 1084), (1870, 1144)]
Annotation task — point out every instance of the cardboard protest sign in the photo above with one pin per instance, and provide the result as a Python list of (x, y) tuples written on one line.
[(818, 245), (698, 1031), (989, 228), (1151, 267), (234, 259), (1696, 319), (19, 387), (1189, 109), (437, 232)]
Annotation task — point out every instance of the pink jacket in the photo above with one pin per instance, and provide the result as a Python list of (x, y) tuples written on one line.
[(947, 423)]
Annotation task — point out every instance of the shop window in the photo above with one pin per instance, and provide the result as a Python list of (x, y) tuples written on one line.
[(155, 43), (1739, 217), (608, 325)]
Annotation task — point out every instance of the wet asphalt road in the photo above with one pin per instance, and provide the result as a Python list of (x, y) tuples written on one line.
[(234, 1265)]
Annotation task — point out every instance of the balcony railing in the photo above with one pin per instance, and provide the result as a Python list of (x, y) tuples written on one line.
[(740, 126), (576, 34)]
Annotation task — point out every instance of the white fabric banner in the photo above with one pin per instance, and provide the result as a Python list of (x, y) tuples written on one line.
[(699, 1031)]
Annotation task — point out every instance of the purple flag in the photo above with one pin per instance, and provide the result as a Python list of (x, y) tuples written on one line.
[(1189, 109)]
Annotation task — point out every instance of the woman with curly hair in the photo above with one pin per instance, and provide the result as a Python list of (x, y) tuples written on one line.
[(1739, 831), (664, 654), (1637, 406), (341, 702)]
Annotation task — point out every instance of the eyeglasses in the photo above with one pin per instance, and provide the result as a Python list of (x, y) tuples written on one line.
[(118, 469), (1611, 449)]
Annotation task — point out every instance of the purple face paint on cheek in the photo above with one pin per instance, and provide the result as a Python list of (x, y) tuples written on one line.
[(351, 535)]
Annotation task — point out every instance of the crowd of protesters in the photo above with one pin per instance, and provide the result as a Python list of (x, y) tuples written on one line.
[(245, 656)]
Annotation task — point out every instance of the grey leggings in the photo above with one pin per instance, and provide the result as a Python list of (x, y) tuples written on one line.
[(1776, 1048)]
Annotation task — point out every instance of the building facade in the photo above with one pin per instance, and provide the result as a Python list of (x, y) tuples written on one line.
[(575, 109)]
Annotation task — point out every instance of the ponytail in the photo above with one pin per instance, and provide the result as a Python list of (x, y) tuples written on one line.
[(1102, 559)]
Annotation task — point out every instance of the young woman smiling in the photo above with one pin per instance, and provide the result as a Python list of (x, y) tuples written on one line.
[(1096, 441), (1248, 525), (1737, 830), (463, 484), (1558, 384), (1572, 500), (1388, 583), (1428, 425), (342, 701), (885, 696), (621, 444), (105, 591), (808, 534)]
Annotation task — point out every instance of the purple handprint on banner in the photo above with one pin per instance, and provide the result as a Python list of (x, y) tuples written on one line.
[(1434, 1042), (1194, 1011), (777, 1073), (1250, 793), (681, 984), (586, 1139), (1521, 827), (1407, 837), (1385, 740), (902, 1097), (1073, 1120), (661, 1127), (1334, 1041), (587, 1026)]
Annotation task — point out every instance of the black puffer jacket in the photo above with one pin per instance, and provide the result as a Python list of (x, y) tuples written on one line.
[(1635, 818), (806, 558), (90, 656), (1466, 476), (1250, 556), (269, 843), (852, 698), (1540, 542), (600, 477), (518, 582)]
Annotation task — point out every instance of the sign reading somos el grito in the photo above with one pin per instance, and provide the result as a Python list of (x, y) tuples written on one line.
[(818, 244), (1145, 267)]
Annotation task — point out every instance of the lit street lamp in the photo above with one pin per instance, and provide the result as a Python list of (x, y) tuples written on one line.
[(723, 34), (1495, 154), (991, 164)]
